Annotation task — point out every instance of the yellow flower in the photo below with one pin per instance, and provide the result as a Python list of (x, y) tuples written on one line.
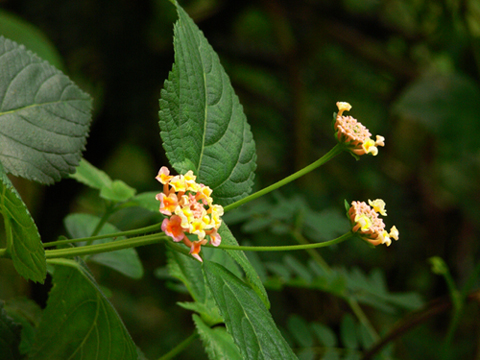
[(352, 133), (189, 209), (367, 224), (379, 206)]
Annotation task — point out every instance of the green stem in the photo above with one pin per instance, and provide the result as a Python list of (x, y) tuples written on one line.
[(110, 209), (3, 253), (145, 229), (180, 347), (110, 246), (287, 247), (337, 149)]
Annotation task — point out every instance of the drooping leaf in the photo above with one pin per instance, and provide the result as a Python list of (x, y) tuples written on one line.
[(217, 341), (125, 261), (22, 32), (246, 317), (202, 123), (9, 336), (115, 190), (44, 116), (79, 322), (23, 240)]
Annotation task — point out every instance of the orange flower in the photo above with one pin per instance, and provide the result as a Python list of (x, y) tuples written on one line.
[(190, 210)]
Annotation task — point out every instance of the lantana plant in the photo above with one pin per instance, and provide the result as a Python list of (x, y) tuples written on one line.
[(211, 150)]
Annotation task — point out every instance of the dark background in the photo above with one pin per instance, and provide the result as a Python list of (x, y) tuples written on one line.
[(410, 69)]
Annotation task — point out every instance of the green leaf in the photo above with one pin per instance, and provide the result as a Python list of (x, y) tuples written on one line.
[(217, 341), (125, 261), (9, 336), (190, 272), (202, 123), (145, 200), (14, 28), (300, 331), (324, 334), (45, 117), (241, 259), (27, 313), (348, 332), (93, 177), (246, 317), (23, 240), (79, 322)]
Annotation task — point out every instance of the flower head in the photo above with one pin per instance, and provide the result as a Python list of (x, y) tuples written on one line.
[(367, 224), (351, 132), (190, 210)]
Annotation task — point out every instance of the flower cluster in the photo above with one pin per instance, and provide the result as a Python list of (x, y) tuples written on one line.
[(352, 133), (367, 224), (189, 210)]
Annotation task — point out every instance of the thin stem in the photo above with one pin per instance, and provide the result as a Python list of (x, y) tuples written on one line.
[(3, 253), (313, 254), (145, 229), (110, 209), (287, 247), (180, 347), (111, 246), (337, 149)]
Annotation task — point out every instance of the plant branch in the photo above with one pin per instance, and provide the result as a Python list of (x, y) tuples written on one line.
[(106, 247), (143, 230), (337, 149), (287, 247)]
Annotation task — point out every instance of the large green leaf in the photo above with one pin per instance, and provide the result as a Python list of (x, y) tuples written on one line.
[(44, 116), (241, 259), (125, 261), (23, 240), (246, 317), (202, 123), (190, 272), (79, 322)]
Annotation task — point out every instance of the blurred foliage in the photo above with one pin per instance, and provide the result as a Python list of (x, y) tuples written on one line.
[(411, 70)]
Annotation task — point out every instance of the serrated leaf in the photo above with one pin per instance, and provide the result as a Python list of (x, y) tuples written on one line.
[(202, 123), (241, 259), (23, 240), (45, 117), (9, 336), (217, 341), (125, 261), (115, 190), (79, 322), (246, 317)]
